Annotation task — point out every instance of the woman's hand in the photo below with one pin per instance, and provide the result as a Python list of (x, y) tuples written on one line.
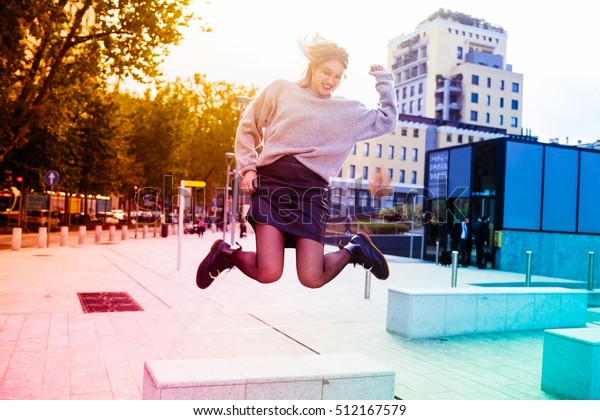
[(247, 183), (377, 69)]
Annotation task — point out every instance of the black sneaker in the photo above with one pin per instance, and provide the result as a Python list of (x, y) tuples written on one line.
[(217, 261), (364, 252)]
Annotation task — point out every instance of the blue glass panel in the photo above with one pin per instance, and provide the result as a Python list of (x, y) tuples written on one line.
[(459, 184), (589, 193), (561, 167), (523, 186)]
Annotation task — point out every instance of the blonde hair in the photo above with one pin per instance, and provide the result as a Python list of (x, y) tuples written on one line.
[(317, 50)]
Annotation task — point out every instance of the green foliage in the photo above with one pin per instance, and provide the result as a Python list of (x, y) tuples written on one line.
[(46, 44)]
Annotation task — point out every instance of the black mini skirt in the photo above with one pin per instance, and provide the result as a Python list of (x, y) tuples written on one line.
[(291, 198)]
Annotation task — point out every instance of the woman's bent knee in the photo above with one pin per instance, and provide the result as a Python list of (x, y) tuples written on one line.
[(268, 276), (310, 281)]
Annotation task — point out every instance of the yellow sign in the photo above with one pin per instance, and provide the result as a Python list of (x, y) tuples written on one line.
[(196, 184), (498, 239)]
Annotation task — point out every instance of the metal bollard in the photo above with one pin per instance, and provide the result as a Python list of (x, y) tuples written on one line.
[(454, 268), (17, 234), (437, 252), (144, 231), (64, 235), (528, 270), (98, 233), (42, 237), (124, 230), (367, 284), (111, 233), (591, 270), (82, 233)]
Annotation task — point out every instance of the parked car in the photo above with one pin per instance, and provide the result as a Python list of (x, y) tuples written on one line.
[(42, 217)]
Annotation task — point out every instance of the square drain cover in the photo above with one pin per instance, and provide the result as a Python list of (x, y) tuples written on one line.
[(108, 302)]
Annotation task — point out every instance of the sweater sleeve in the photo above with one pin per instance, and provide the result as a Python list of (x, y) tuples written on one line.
[(383, 119), (249, 135)]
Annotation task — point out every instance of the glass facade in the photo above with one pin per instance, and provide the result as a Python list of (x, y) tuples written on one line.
[(518, 185)]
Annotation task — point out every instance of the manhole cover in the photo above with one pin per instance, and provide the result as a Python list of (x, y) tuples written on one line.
[(108, 302)]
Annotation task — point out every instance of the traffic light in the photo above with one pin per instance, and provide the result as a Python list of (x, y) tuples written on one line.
[(135, 190)]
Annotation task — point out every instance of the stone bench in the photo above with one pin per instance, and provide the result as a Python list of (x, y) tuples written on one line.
[(439, 312), (306, 377), (571, 363)]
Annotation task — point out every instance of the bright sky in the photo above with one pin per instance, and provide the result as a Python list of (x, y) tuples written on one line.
[(254, 42)]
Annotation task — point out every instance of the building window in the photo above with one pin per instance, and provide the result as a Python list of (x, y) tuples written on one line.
[(515, 87), (415, 155), (365, 174), (416, 133), (403, 132), (420, 88), (354, 149), (473, 115), (366, 150), (378, 151), (501, 84), (402, 174), (459, 53), (489, 82), (390, 152), (419, 104), (403, 153), (514, 104), (487, 117), (514, 122), (470, 139), (501, 121), (412, 91), (474, 97), (378, 170), (404, 108), (352, 171), (390, 174), (410, 107), (489, 100), (404, 92), (460, 138), (413, 177), (474, 79), (501, 102), (449, 138)]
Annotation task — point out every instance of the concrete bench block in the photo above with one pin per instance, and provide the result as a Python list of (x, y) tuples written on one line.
[(438, 312), (571, 363), (307, 377)]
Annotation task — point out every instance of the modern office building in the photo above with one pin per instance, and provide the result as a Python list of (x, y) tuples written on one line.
[(539, 197), (454, 87)]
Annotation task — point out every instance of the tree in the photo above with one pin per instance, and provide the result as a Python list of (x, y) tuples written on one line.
[(42, 40), (380, 186)]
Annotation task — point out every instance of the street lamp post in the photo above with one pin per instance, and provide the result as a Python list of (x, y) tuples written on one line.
[(242, 102)]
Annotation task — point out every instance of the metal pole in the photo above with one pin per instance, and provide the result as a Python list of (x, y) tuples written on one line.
[(412, 226), (591, 270), (225, 204), (437, 252), (180, 223), (367, 284), (454, 268), (528, 270), (234, 203)]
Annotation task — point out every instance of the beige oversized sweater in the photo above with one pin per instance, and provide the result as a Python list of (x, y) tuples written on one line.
[(319, 131)]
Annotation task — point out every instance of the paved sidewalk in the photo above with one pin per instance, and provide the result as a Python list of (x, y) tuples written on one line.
[(50, 349)]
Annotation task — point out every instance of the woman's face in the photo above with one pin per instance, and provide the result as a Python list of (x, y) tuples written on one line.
[(327, 77)]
